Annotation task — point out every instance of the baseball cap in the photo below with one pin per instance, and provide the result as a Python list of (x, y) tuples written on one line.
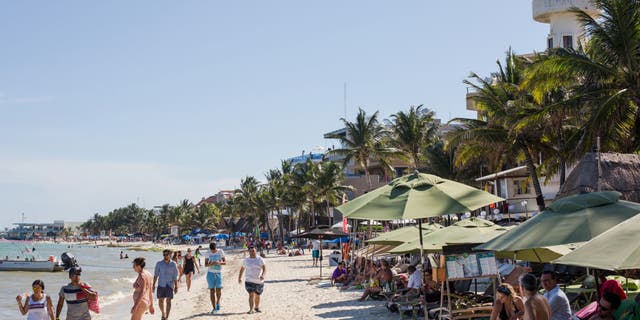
[(75, 270)]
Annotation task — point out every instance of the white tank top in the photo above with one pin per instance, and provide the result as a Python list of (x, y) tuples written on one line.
[(38, 309)]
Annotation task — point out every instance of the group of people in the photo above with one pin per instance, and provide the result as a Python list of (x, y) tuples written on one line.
[(554, 304), (527, 304), (81, 297)]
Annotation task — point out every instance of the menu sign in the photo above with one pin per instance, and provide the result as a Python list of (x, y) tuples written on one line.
[(462, 266)]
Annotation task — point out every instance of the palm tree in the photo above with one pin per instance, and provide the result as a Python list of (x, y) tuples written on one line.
[(505, 105), (329, 183), (274, 195), (205, 217), (363, 142), (413, 132), (245, 199), (604, 77)]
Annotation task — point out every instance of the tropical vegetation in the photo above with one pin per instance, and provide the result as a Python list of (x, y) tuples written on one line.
[(543, 111)]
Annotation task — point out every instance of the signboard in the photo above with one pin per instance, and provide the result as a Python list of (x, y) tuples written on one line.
[(464, 266)]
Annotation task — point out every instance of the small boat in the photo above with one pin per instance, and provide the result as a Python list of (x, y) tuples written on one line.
[(50, 265)]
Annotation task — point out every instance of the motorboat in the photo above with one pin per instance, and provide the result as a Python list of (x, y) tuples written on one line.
[(32, 263)]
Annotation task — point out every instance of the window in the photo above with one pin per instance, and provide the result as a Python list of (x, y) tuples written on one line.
[(550, 43), (567, 42), (521, 186)]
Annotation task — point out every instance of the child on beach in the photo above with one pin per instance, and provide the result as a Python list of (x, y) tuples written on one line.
[(38, 306)]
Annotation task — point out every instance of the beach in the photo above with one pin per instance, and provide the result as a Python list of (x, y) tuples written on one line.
[(292, 289), (288, 294)]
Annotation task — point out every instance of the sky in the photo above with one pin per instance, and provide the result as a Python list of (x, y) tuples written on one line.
[(108, 103)]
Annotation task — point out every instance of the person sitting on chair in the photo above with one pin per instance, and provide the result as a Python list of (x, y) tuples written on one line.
[(607, 306), (508, 305), (382, 278)]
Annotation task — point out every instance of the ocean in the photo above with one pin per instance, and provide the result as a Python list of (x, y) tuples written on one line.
[(102, 268)]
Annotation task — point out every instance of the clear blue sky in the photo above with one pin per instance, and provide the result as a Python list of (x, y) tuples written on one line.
[(105, 103)]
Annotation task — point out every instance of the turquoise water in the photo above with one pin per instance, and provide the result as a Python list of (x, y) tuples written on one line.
[(102, 268)]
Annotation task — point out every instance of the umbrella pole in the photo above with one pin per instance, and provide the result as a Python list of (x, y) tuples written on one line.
[(421, 247), (320, 258)]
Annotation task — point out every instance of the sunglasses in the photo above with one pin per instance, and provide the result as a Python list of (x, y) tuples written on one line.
[(504, 290), (603, 308), (166, 254)]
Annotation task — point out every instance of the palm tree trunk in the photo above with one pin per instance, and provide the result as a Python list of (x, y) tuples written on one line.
[(280, 225), (534, 178), (268, 225), (563, 162)]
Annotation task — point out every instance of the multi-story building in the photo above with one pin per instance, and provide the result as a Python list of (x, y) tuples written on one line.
[(566, 32), (25, 231)]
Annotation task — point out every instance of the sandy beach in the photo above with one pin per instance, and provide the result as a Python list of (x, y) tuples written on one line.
[(288, 294)]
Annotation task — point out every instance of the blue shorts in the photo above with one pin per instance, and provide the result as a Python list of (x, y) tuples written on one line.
[(164, 292), (254, 287), (315, 253), (214, 280)]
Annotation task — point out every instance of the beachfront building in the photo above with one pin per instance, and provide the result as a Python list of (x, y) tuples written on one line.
[(564, 29), (27, 231), (221, 197), (514, 183)]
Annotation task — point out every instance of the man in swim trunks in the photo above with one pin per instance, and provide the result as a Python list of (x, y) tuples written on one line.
[(315, 252), (254, 279), (214, 262)]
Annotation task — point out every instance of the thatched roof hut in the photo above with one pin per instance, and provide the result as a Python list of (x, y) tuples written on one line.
[(620, 172)]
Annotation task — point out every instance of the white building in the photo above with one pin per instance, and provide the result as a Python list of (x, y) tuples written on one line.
[(565, 30)]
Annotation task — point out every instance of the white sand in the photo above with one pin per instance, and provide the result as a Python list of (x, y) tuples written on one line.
[(287, 295)]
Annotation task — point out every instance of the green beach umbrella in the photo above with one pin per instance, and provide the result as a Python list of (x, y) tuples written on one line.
[(614, 249), (417, 196), (540, 255), (573, 219), (402, 235), (471, 230)]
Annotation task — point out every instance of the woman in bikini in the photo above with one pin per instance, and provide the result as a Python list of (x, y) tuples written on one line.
[(142, 290)]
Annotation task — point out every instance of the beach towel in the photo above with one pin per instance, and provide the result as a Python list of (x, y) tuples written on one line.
[(94, 305)]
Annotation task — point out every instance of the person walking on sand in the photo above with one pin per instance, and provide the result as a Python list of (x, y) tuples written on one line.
[(77, 295), (197, 254), (189, 266), (166, 276), (38, 306), (315, 252), (177, 258), (214, 262), (254, 279), (142, 290)]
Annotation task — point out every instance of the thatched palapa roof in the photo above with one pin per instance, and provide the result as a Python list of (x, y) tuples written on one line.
[(620, 172)]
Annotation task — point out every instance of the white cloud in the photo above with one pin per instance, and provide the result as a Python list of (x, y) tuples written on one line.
[(73, 190)]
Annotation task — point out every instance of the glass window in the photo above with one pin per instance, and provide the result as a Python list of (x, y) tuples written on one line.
[(521, 186), (550, 43)]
